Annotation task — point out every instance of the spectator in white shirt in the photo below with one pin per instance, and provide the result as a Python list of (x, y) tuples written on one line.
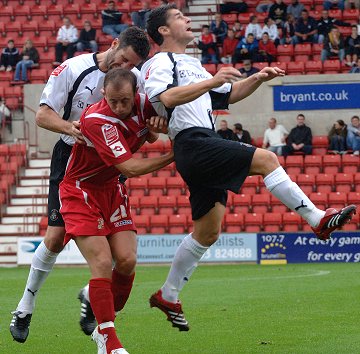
[(275, 137), (66, 38), (271, 29), (254, 28), (5, 117)]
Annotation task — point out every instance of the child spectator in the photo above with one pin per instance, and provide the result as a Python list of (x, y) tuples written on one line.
[(254, 28), (271, 29), (337, 137), (267, 49), (229, 45), (353, 135), (9, 56), (219, 28), (87, 39), (207, 45), (352, 47), (66, 38), (29, 57), (334, 46)]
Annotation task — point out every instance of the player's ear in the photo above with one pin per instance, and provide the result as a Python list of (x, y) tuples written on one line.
[(115, 43), (163, 30), (102, 91)]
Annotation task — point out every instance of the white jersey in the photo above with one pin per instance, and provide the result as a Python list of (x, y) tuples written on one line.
[(74, 85), (166, 70)]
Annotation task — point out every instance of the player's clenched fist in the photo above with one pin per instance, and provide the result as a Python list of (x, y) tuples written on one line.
[(226, 75)]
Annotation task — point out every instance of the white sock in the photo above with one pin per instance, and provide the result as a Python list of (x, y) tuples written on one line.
[(280, 185), (41, 265), (185, 261), (86, 292)]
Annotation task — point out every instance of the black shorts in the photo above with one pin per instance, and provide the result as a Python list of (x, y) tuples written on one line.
[(59, 159), (210, 166)]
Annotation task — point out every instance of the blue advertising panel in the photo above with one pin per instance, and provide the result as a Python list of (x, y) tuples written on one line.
[(313, 97), (277, 248), (228, 248)]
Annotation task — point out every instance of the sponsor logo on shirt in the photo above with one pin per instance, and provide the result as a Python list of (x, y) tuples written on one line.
[(59, 70), (185, 73), (147, 73), (111, 137), (122, 223)]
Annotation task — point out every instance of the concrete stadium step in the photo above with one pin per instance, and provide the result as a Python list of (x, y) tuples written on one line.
[(203, 8), (36, 163), (34, 182), (16, 201), (21, 210), (30, 191), (36, 172), (9, 230), (16, 220)]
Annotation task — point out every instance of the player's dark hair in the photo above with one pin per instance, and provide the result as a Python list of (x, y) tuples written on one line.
[(158, 17), (135, 38), (119, 76)]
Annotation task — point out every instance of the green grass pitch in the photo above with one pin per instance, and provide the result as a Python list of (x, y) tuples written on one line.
[(232, 309)]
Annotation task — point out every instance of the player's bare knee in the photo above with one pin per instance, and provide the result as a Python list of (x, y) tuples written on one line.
[(207, 236), (125, 263), (54, 240), (264, 162), (102, 265)]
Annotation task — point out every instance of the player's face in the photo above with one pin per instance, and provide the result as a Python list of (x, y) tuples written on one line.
[(120, 101), (179, 26), (124, 58)]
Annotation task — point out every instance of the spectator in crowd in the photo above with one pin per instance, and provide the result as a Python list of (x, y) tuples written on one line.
[(353, 135), (208, 47), (29, 57), (237, 6), (238, 30), (139, 18), (326, 23), (247, 69), (305, 29), (337, 137), (299, 139), (241, 135), (5, 116), (224, 131), (219, 28), (66, 38), (356, 68), (295, 9), (334, 46), (275, 137), (288, 30), (87, 38), (247, 48), (278, 12), (331, 4), (352, 47), (253, 27), (352, 4), (111, 20), (264, 6), (267, 49), (271, 29), (9, 56), (228, 49)]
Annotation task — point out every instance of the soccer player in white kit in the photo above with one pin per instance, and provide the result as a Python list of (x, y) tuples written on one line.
[(73, 86), (179, 87)]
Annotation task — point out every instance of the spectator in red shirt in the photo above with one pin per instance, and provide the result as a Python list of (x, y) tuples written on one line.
[(229, 45), (207, 44), (267, 50)]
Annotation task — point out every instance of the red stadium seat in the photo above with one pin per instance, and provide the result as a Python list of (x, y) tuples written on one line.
[(337, 200), (167, 205), (13, 26), (183, 204), (331, 66), (320, 141), (175, 186), (291, 221), (324, 182), (357, 181), (261, 203), (344, 182), (277, 206), (294, 164), (89, 8), (313, 67), (136, 5), (159, 224), (55, 9), (148, 205), (234, 223), (244, 18), (21, 10), (281, 65), (350, 163), (38, 10), (301, 57), (353, 198), (7, 11), (47, 25), (177, 224), (315, 14), (15, 91), (306, 183), (272, 222), (211, 68), (336, 13), (142, 223), (138, 186), (157, 146), (317, 48), (331, 163), (253, 222), (250, 185), (241, 203), (30, 26), (312, 164), (229, 18), (303, 49), (260, 66), (296, 68), (157, 186), (285, 49), (351, 15), (39, 74)]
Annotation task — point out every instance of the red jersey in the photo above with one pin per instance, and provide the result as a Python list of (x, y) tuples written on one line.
[(229, 46), (110, 141), (208, 39)]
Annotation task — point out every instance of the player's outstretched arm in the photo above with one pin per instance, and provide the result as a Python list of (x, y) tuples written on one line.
[(246, 87), (184, 94), (137, 167)]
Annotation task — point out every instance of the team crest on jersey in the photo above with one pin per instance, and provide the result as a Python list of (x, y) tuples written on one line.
[(147, 74), (100, 223), (54, 215), (59, 70)]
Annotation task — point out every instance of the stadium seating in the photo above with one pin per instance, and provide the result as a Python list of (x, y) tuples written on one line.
[(344, 182), (331, 163), (291, 221), (234, 222), (272, 222), (324, 182), (241, 203), (253, 222), (177, 224)]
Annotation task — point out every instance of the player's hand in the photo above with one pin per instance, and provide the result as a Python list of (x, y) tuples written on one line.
[(76, 133), (157, 124), (267, 73), (226, 74)]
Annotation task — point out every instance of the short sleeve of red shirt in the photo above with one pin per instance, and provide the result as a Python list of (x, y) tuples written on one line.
[(107, 139)]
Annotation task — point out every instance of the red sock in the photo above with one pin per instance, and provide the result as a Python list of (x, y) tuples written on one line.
[(121, 288), (101, 299)]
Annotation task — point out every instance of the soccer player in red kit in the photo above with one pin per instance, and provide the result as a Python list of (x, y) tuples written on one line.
[(95, 205)]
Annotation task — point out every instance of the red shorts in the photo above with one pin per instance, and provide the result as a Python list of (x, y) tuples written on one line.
[(89, 210)]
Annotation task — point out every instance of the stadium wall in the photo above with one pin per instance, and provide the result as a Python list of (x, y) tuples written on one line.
[(253, 112)]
